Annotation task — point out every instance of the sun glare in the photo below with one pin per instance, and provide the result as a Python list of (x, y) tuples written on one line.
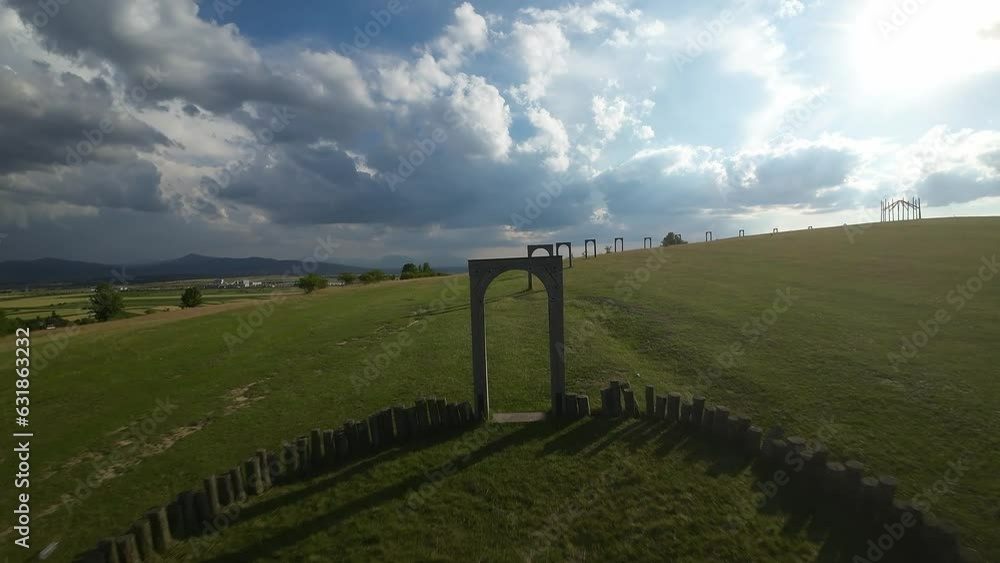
[(908, 48)]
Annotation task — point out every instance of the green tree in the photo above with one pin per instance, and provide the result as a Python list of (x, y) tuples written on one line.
[(191, 297), (311, 282), (372, 276), (409, 269), (347, 277), (672, 239), (106, 303)]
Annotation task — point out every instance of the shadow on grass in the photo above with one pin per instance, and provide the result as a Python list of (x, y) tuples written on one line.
[(397, 491), (841, 538)]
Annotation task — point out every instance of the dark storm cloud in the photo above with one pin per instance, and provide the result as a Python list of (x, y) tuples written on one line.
[(681, 181), (302, 184), (944, 188), (63, 119), (122, 184)]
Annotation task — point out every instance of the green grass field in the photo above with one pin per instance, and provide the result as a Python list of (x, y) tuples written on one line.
[(822, 366)]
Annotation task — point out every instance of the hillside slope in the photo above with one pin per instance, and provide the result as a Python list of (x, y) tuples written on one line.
[(823, 361)]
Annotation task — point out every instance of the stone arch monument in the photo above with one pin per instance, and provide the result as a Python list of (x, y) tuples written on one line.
[(568, 245), (587, 242), (743, 233), (531, 250), (622, 240), (775, 231), (650, 239), (481, 274), (709, 237)]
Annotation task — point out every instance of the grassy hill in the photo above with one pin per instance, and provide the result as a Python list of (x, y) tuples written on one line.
[(697, 324)]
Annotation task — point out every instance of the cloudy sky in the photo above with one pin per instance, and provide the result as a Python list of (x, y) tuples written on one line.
[(135, 130)]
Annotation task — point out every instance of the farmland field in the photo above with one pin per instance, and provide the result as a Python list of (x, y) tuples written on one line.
[(803, 329), (72, 305)]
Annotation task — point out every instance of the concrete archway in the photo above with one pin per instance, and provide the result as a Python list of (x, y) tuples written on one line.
[(568, 245), (586, 243), (743, 233), (531, 250), (481, 274), (617, 240), (775, 231), (650, 239), (709, 237)]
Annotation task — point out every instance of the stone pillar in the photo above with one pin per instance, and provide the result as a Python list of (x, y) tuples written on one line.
[(374, 430), (661, 408), (435, 415), (175, 514), (650, 401), (316, 447), (855, 471), (128, 551), (751, 440), (413, 421), (255, 483), (833, 482), (571, 406), (343, 445), (143, 534), (673, 406), (885, 493), (364, 434), (630, 410), (721, 424), (686, 413), (329, 447), (188, 502), (866, 496), (402, 423), (239, 483), (734, 434), (302, 451), (263, 459), (708, 421), (616, 398), (606, 402), (697, 410), (108, 550), (583, 405), (211, 484), (442, 407), (226, 495), (423, 417), (159, 525), (796, 443), (468, 415)]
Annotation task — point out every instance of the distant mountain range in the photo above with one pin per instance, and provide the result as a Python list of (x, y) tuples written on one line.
[(51, 271)]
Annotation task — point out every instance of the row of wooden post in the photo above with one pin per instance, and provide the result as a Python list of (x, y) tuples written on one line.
[(841, 485), (202, 511)]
